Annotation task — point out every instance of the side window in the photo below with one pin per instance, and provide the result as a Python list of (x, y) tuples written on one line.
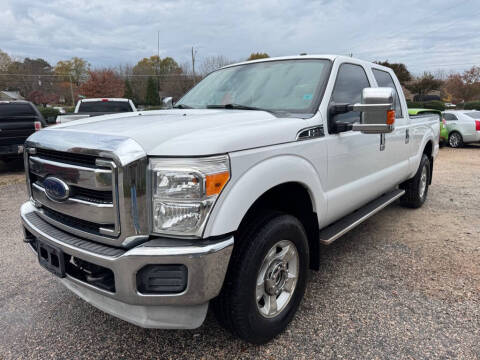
[(384, 79), (449, 117), (351, 80)]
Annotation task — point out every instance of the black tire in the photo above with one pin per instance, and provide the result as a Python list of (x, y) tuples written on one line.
[(455, 140), (236, 307), (414, 198)]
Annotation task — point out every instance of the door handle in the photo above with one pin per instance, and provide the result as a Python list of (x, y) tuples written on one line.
[(407, 136)]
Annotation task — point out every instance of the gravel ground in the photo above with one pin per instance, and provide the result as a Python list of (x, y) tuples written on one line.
[(404, 284)]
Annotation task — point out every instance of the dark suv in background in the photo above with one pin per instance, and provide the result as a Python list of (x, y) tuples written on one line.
[(18, 120)]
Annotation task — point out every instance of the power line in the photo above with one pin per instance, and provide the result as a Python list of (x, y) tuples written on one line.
[(35, 75), (126, 75)]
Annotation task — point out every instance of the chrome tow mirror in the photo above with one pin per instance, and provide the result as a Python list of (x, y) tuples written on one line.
[(378, 111), (167, 102)]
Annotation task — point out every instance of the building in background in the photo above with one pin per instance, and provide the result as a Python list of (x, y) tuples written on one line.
[(10, 96)]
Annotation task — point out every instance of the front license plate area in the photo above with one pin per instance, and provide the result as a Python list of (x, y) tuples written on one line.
[(51, 258)]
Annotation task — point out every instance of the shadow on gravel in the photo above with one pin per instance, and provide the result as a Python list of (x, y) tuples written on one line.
[(472, 146), (11, 166)]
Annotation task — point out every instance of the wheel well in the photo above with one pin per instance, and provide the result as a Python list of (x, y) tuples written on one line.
[(428, 150), (291, 198)]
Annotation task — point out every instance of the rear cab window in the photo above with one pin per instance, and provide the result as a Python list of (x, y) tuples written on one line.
[(104, 106), (15, 109), (384, 79)]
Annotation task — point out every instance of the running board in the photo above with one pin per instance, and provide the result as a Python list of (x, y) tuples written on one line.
[(344, 225)]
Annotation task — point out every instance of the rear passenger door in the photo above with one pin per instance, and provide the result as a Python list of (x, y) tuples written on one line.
[(398, 142)]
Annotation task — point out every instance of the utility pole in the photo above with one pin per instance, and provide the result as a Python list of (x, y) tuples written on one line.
[(193, 65), (71, 90), (158, 63)]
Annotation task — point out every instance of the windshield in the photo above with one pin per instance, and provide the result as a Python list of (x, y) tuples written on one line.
[(12, 109), (104, 106), (473, 114), (283, 85)]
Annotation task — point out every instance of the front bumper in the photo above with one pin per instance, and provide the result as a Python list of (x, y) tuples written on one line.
[(11, 150), (206, 262)]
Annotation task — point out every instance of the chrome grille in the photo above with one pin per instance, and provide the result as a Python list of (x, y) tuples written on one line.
[(63, 157), (91, 208), (107, 173)]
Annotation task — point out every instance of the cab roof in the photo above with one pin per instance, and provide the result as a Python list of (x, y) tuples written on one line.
[(313, 56)]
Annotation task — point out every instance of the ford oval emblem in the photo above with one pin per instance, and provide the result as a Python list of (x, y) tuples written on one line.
[(56, 189)]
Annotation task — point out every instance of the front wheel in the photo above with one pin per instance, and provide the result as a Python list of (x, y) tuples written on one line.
[(266, 279), (416, 189)]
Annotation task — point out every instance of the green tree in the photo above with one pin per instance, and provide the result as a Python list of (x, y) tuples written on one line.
[(129, 91), (27, 66), (424, 84), (258, 55), (152, 97), (399, 69)]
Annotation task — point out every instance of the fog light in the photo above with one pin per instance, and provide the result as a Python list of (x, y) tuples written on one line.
[(162, 279)]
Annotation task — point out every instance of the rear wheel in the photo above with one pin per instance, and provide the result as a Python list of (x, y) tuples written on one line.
[(455, 140), (266, 278), (416, 189)]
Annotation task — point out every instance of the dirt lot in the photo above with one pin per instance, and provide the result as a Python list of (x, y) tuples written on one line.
[(404, 284)]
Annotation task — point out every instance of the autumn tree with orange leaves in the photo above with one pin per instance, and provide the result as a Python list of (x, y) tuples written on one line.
[(102, 83)]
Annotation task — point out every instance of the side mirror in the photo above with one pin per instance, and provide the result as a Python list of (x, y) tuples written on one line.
[(167, 102), (378, 111)]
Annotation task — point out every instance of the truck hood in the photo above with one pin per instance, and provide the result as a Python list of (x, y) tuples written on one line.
[(190, 132)]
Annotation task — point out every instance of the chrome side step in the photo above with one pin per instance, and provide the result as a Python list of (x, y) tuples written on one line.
[(344, 225)]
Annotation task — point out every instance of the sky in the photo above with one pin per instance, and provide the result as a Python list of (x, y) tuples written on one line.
[(425, 35)]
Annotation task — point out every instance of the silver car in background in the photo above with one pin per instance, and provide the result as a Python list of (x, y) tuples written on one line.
[(463, 127)]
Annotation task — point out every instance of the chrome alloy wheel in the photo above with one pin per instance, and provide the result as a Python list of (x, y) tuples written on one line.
[(423, 182), (454, 140), (277, 278)]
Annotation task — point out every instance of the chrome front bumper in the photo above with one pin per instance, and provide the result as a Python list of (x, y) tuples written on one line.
[(206, 262)]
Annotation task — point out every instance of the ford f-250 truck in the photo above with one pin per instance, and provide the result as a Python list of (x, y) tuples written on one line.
[(227, 198)]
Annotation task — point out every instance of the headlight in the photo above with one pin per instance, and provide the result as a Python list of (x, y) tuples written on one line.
[(184, 192)]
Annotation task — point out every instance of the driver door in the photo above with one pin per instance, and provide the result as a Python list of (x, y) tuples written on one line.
[(355, 160)]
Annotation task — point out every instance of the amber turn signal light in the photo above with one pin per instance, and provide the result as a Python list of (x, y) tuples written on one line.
[(214, 183), (390, 117)]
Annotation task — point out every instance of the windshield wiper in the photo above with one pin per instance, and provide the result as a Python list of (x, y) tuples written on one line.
[(182, 106), (235, 107)]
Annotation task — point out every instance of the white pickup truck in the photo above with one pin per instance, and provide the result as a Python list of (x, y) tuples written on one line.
[(97, 106), (227, 198)]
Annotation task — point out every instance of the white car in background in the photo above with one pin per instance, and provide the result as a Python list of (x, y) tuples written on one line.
[(463, 127)]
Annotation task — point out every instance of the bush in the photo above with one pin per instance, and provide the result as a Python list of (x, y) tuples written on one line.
[(413, 104), (50, 114), (157, 107), (435, 104), (472, 105)]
